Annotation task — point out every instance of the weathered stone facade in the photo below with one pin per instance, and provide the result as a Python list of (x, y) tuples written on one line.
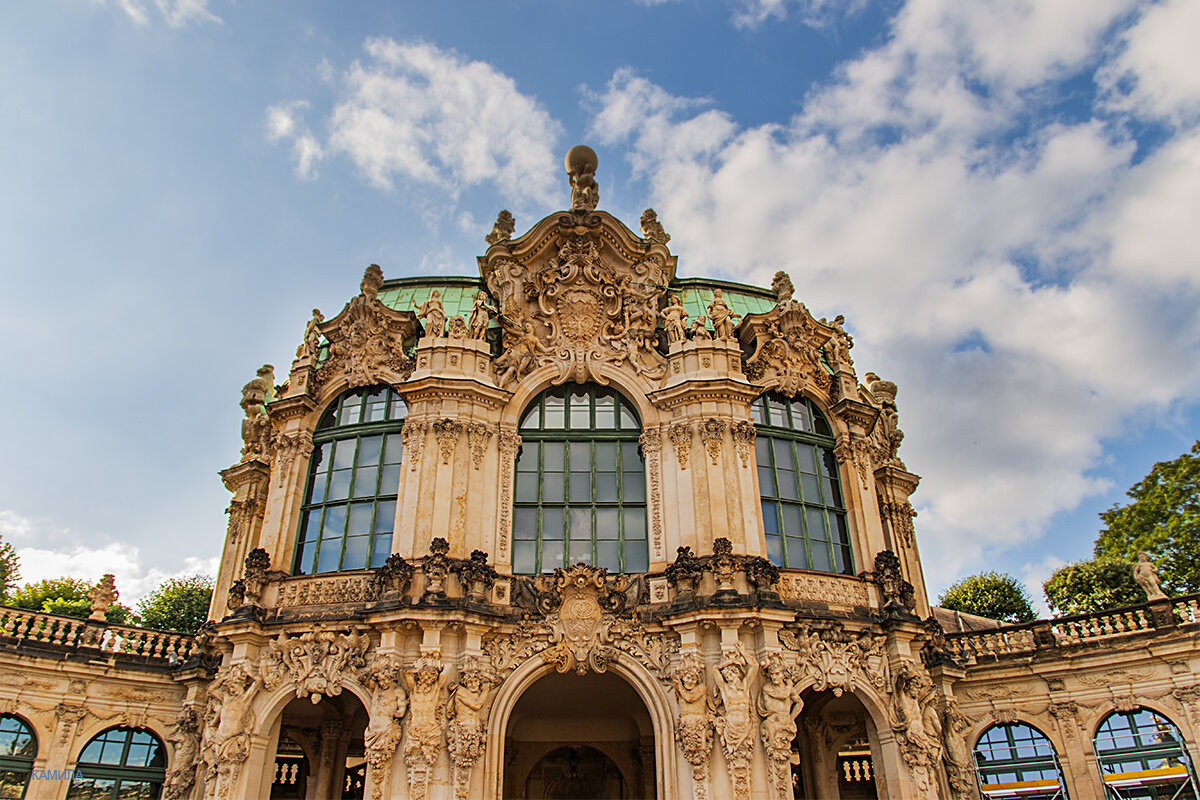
[(712, 673)]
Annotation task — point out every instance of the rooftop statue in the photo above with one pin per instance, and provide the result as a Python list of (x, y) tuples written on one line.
[(581, 163)]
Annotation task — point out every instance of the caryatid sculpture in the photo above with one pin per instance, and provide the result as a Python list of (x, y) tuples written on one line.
[(695, 728), (389, 702), (581, 163), (737, 721), (465, 734), (779, 704), (426, 682)]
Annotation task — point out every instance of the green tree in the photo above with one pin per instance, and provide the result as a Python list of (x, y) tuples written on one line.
[(178, 604), (992, 595), (66, 596), (1089, 586), (10, 568), (1163, 520)]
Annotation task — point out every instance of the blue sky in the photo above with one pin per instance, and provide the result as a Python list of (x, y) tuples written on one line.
[(1000, 196)]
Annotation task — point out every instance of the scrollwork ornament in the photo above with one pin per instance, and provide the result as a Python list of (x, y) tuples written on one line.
[(447, 432), (680, 435), (712, 434), (413, 437), (744, 432), (478, 435)]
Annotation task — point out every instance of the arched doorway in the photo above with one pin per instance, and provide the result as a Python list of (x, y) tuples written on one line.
[(571, 736), (319, 752), (835, 752)]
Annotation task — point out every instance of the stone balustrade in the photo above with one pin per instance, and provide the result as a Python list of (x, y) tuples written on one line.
[(19, 626), (969, 647)]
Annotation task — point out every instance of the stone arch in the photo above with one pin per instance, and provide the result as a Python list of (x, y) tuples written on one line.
[(274, 703), (85, 733), (542, 378), (1100, 713), (651, 692)]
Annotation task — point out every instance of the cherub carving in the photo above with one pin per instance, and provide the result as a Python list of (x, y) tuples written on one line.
[(523, 347), (699, 329)]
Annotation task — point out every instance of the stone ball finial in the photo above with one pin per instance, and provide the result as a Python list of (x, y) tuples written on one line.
[(581, 158)]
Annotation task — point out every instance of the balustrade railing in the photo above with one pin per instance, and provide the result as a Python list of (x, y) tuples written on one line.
[(53, 629), (1010, 640)]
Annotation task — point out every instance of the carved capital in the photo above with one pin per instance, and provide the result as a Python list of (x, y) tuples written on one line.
[(447, 432), (712, 433), (478, 435), (680, 435)]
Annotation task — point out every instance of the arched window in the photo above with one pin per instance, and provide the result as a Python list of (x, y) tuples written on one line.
[(1142, 755), (1017, 761), (581, 483), (18, 748), (803, 512), (353, 479), (120, 763)]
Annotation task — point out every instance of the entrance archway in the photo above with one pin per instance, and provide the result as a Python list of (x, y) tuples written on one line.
[(836, 751), (572, 736), (319, 750)]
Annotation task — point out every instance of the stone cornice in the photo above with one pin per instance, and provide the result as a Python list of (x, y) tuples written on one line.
[(432, 388), (291, 407), (696, 391)]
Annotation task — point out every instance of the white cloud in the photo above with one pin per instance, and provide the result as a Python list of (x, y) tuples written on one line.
[(14, 527), (1025, 281), (814, 13), (1033, 575), (176, 13), (1157, 73), (415, 113)]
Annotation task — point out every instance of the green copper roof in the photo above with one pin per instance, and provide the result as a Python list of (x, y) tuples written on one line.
[(696, 294), (407, 294)]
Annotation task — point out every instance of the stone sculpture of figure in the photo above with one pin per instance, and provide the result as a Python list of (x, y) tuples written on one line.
[(959, 770), (371, 282), (186, 738), (918, 731), (695, 719), (581, 163), (736, 724), (481, 315), (781, 284), (388, 705), (779, 704), (434, 315), (312, 336), (652, 229), (675, 319), (231, 697), (465, 732), (502, 231), (256, 427), (524, 345), (699, 328), (722, 318), (1146, 575), (426, 681), (838, 348)]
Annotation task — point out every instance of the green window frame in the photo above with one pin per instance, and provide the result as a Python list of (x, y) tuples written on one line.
[(1014, 752), (349, 510), (580, 488), (18, 749), (1139, 741), (804, 513), (120, 763)]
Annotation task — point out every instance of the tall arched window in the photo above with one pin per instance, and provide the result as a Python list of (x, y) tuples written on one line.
[(18, 749), (120, 764), (803, 511), (1142, 755), (353, 479), (1017, 761), (581, 483)]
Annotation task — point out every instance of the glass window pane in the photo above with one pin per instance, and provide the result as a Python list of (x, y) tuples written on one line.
[(800, 416), (828, 464), (581, 487), (343, 453), (820, 425), (389, 479), (795, 552), (304, 563), (806, 458), (369, 448), (360, 519), (553, 457), (628, 420), (786, 480), (783, 454), (758, 412), (819, 552), (606, 523), (580, 523), (631, 459), (524, 553), (775, 549), (606, 456), (816, 524), (552, 554), (581, 551), (330, 553), (633, 487), (778, 414), (606, 487), (554, 416), (351, 412), (608, 555), (581, 409), (526, 491), (335, 522), (552, 487), (766, 481), (637, 556), (398, 408), (385, 516), (356, 552), (393, 448), (791, 519), (770, 518), (366, 482), (531, 421), (381, 545), (840, 531), (581, 456), (320, 457), (812, 492), (525, 523), (635, 523), (606, 411), (339, 485), (527, 459), (311, 526)]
